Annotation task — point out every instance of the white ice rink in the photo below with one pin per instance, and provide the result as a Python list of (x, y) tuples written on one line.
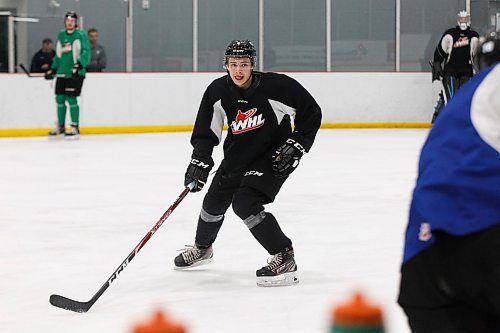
[(71, 212)]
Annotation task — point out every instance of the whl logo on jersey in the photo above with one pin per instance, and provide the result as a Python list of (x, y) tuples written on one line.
[(461, 42), (246, 121)]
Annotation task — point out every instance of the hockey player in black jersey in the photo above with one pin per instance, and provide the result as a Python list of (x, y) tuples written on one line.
[(453, 58), (260, 152)]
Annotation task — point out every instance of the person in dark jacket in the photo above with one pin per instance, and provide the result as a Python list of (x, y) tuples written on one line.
[(40, 63), (97, 53)]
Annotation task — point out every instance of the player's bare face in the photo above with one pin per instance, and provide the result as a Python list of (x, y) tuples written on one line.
[(240, 70), (70, 24)]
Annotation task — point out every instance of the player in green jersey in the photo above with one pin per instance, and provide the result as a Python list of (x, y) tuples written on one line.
[(72, 56)]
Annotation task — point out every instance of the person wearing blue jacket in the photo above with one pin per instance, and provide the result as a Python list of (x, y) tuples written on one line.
[(450, 276)]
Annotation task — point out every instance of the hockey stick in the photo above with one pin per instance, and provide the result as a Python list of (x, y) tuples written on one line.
[(76, 306), (28, 72), (444, 92), (38, 75)]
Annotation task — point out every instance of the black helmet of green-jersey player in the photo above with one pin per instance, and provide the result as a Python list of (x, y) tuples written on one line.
[(488, 50), (72, 14), (240, 48)]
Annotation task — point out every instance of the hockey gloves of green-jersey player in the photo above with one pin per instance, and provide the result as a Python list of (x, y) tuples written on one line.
[(76, 68), (49, 75), (198, 171), (287, 157), (437, 71)]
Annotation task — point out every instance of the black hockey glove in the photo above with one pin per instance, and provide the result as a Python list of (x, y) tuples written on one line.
[(76, 68), (198, 171), (437, 71), (49, 75), (287, 157)]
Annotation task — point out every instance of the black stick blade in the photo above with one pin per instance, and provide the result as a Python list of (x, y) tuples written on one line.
[(25, 69), (69, 304)]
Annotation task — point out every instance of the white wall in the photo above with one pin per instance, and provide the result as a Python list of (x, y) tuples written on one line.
[(138, 99)]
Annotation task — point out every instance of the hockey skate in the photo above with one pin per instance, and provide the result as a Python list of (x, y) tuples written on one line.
[(57, 132), (193, 256), (74, 133), (280, 271)]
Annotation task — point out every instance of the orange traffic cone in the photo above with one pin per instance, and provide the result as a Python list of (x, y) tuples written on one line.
[(159, 324), (357, 316)]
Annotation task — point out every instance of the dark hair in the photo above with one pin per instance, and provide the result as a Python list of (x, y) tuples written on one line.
[(46, 40), (92, 30)]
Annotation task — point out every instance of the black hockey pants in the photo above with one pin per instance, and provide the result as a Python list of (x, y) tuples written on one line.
[(454, 285), (452, 83), (248, 192)]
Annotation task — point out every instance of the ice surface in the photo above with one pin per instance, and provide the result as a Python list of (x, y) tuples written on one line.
[(70, 213)]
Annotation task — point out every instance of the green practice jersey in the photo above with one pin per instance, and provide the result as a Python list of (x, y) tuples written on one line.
[(71, 48)]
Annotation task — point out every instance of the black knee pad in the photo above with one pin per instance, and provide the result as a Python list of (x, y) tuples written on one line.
[(248, 201)]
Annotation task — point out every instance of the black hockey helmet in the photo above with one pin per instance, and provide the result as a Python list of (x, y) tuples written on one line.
[(241, 48), (488, 50), (71, 14)]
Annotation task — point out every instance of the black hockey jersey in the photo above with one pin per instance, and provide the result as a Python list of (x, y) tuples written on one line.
[(258, 118), (456, 49)]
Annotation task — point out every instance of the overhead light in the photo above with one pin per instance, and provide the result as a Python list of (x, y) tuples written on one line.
[(26, 19), (54, 4)]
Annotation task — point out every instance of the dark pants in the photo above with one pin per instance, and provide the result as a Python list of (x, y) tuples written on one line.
[(452, 83), (454, 285), (69, 86), (248, 192)]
